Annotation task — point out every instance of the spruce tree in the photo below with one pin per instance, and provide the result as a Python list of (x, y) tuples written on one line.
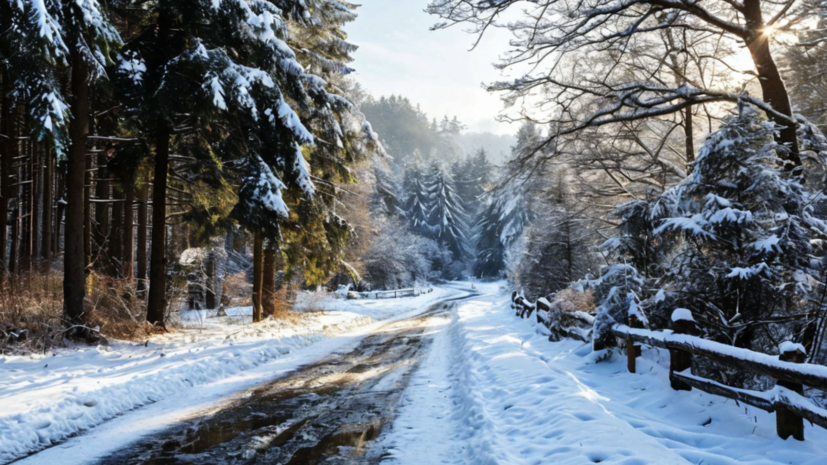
[(740, 229), (501, 222), (417, 204), (446, 217)]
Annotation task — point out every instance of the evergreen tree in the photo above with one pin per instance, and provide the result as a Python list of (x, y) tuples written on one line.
[(446, 217), (740, 229), (48, 40), (418, 202), (501, 222)]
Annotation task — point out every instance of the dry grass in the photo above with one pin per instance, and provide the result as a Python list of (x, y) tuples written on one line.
[(570, 300), (238, 290), (31, 308), (114, 308)]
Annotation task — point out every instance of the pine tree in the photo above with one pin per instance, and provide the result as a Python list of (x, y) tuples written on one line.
[(740, 229), (500, 224), (418, 201), (446, 217), (51, 38)]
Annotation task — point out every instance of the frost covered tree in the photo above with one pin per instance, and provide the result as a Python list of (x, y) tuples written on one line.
[(447, 215), (196, 73), (557, 248), (472, 176), (555, 31), (501, 222), (48, 41), (739, 231), (417, 199)]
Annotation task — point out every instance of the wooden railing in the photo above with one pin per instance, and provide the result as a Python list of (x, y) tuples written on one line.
[(786, 399), (396, 293)]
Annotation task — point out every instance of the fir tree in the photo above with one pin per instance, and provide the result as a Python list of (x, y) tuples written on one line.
[(446, 217), (740, 229), (501, 222), (418, 202)]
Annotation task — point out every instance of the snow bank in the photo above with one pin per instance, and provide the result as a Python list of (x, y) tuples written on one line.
[(495, 391), (48, 398)]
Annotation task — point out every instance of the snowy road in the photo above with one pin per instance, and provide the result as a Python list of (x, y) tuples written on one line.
[(104, 398), (465, 384), (494, 390)]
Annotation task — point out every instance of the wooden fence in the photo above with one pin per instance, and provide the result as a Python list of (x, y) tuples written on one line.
[(786, 399), (396, 293)]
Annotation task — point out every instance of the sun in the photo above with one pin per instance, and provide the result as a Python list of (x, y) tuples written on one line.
[(769, 30)]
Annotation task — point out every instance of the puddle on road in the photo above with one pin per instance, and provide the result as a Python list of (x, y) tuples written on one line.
[(328, 412)]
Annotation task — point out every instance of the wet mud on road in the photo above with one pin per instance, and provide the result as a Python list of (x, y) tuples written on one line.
[(328, 412)]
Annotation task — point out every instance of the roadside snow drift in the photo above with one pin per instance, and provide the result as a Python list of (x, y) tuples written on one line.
[(495, 391), (47, 398)]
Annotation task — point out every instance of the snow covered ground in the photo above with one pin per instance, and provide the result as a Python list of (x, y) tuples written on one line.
[(48, 398), (494, 391)]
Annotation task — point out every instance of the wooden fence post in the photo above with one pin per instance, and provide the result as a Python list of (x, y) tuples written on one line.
[(786, 422), (633, 351), (682, 323)]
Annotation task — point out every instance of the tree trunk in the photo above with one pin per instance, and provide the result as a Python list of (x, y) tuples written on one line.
[(5, 174), (31, 219), (48, 197), (258, 275), (101, 229), (156, 302), (689, 137), (268, 288), (142, 240), (772, 86), (115, 264), (128, 252), (74, 278), (87, 208), (210, 299), (61, 205)]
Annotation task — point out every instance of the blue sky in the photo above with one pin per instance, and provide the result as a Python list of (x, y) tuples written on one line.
[(398, 54)]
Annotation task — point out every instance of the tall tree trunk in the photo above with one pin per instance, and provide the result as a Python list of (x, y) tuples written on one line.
[(156, 302), (772, 86), (61, 204), (128, 243), (74, 260), (209, 270), (87, 208), (32, 223), (258, 275), (100, 234), (115, 264), (142, 239), (48, 197), (15, 241), (268, 288), (5, 174), (689, 136)]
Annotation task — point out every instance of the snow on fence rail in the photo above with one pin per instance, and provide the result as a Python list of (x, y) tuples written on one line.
[(786, 399), (396, 293)]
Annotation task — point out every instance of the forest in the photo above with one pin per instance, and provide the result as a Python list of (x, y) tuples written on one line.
[(171, 168)]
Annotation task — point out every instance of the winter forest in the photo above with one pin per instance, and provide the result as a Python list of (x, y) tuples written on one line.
[(425, 231)]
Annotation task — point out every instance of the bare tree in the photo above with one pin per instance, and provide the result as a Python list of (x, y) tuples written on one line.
[(555, 39)]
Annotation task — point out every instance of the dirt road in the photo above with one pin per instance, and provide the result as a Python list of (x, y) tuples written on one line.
[(328, 412)]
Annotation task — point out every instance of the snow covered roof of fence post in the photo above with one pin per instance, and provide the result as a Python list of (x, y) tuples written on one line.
[(790, 346), (682, 314)]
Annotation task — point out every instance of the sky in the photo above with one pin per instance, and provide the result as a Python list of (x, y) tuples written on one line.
[(398, 54)]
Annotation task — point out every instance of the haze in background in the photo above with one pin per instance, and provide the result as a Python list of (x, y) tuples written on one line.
[(398, 54)]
